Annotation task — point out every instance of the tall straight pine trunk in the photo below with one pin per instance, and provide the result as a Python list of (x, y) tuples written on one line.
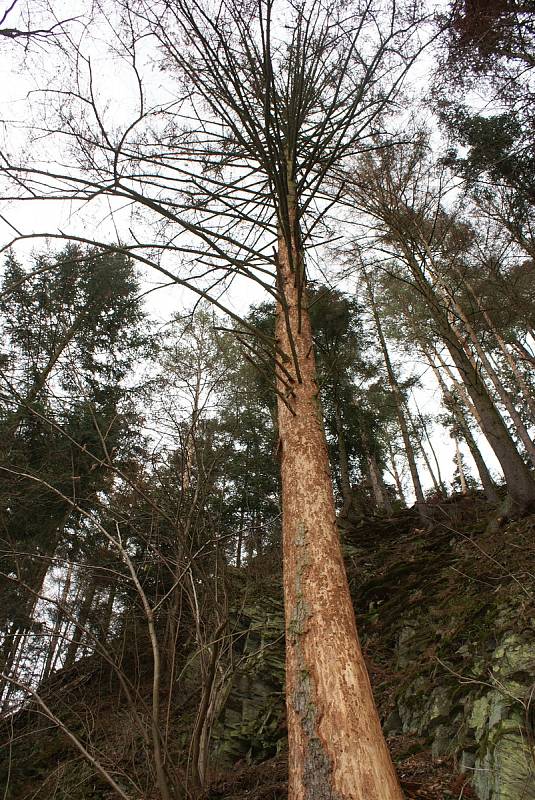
[(398, 399), (518, 477), (336, 746)]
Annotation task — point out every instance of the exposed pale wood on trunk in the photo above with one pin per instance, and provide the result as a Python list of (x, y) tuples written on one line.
[(337, 749)]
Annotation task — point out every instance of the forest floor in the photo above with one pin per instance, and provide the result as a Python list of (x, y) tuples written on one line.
[(422, 777), (456, 571), (450, 581)]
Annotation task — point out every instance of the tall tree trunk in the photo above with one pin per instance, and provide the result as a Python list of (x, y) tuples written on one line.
[(438, 487), (41, 379), (375, 474), (60, 616), (502, 393), (9, 688), (511, 361), (105, 627), (525, 354), (336, 746), (79, 632), (451, 403), (459, 460), (343, 460), (398, 398), (440, 480), (484, 475), (239, 543), (519, 480), (459, 314), (378, 487), (395, 474), (209, 657), (32, 575)]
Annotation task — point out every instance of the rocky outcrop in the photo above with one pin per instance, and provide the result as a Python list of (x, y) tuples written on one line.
[(461, 628), (447, 621)]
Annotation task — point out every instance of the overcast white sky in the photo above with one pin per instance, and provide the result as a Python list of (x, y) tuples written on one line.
[(21, 75)]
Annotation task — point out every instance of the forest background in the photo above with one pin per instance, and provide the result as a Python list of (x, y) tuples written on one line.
[(366, 166)]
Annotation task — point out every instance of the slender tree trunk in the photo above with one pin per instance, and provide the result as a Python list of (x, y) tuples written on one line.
[(520, 482), (502, 393), (440, 480), (257, 534), (105, 627), (395, 474), (78, 634), (439, 489), (40, 381), (525, 354), (511, 361), (378, 487), (220, 691), (459, 313), (202, 727), (343, 460), (336, 746), (239, 544), (398, 398), (460, 388), (19, 648), (32, 574), (60, 614), (459, 460), (484, 474), (13, 635)]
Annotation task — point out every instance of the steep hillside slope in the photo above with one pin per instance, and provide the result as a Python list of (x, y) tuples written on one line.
[(447, 620)]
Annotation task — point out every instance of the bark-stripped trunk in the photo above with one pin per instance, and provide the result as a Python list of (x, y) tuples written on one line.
[(336, 746)]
